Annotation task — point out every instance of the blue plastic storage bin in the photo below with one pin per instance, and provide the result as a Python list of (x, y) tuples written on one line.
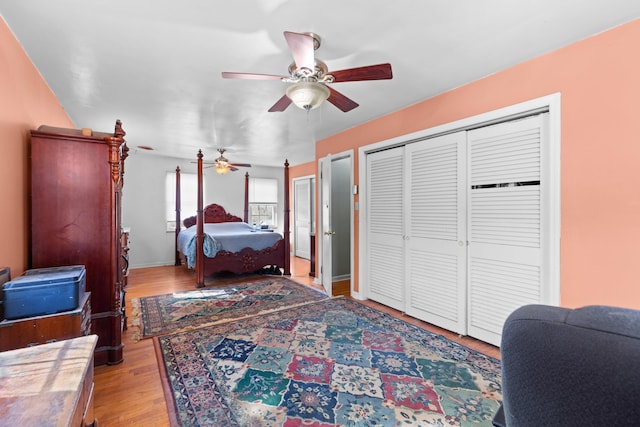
[(43, 291)]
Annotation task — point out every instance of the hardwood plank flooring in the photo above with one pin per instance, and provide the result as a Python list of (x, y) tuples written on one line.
[(130, 393)]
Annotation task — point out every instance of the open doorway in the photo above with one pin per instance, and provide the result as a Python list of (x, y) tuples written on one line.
[(303, 215), (336, 224)]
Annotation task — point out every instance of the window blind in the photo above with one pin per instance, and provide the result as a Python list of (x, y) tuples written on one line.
[(263, 190), (188, 196)]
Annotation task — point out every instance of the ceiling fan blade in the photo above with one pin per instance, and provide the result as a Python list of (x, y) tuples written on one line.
[(241, 165), (251, 76), (231, 168), (371, 72), (301, 47), (339, 100), (281, 104)]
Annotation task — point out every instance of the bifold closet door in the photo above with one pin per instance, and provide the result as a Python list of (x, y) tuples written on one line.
[(385, 227), (435, 239), (458, 226), (506, 222)]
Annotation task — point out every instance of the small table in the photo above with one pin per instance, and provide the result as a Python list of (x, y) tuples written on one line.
[(48, 384)]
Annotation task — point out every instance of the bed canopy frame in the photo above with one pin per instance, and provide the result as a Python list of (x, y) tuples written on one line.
[(216, 213)]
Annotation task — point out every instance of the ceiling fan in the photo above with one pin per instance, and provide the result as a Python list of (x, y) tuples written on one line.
[(311, 77), (222, 166)]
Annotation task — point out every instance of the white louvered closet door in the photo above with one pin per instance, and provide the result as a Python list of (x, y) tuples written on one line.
[(505, 223), (435, 221), (385, 228)]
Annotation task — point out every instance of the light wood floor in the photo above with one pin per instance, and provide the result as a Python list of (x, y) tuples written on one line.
[(130, 393)]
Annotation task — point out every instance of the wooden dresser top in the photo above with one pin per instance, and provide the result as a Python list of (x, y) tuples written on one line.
[(42, 385)]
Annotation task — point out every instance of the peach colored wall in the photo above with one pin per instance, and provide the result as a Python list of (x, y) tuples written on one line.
[(599, 82), (304, 169), (26, 103)]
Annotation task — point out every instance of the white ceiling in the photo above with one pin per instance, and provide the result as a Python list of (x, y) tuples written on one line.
[(156, 64)]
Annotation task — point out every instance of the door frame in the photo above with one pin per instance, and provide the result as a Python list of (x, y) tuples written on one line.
[(320, 270), (551, 104), (311, 179)]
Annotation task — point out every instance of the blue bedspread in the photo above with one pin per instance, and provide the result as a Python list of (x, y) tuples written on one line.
[(228, 236)]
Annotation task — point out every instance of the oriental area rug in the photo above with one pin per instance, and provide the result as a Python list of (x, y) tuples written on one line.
[(162, 314), (330, 363)]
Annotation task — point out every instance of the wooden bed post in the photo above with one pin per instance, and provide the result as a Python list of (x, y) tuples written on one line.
[(246, 197), (177, 214), (287, 232), (200, 229)]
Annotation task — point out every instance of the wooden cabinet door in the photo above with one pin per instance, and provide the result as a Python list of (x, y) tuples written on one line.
[(76, 183)]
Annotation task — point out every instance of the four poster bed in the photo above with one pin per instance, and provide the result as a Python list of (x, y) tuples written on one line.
[(215, 240)]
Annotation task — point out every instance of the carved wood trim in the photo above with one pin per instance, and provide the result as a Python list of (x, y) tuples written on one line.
[(213, 213), (114, 142)]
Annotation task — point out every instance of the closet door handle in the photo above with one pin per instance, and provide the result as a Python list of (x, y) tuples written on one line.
[(329, 233)]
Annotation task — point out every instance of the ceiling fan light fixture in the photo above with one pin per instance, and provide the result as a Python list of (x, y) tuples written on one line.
[(221, 168), (307, 95)]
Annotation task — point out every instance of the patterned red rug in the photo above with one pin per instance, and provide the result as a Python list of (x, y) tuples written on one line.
[(330, 363), (162, 314)]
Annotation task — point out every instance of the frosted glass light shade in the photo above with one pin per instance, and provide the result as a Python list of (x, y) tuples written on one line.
[(307, 95), (221, 169)]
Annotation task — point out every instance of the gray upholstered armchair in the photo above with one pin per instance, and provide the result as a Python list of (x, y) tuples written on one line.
[(570, 367)]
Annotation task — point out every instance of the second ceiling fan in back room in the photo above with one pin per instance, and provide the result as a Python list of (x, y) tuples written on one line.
[(310, 76), (222, 165)]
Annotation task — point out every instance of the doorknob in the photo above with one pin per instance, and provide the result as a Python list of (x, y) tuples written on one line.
[(329, 233)]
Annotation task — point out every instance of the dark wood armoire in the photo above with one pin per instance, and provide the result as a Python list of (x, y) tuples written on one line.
[(76, 194)]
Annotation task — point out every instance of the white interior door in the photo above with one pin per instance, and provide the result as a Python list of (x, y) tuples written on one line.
[(435, 222), (326, 231), (385, 228), (508, 227), (302, 218)]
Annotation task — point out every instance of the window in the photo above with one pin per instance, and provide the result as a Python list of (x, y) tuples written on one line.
[(188, 197), (263, 201)]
